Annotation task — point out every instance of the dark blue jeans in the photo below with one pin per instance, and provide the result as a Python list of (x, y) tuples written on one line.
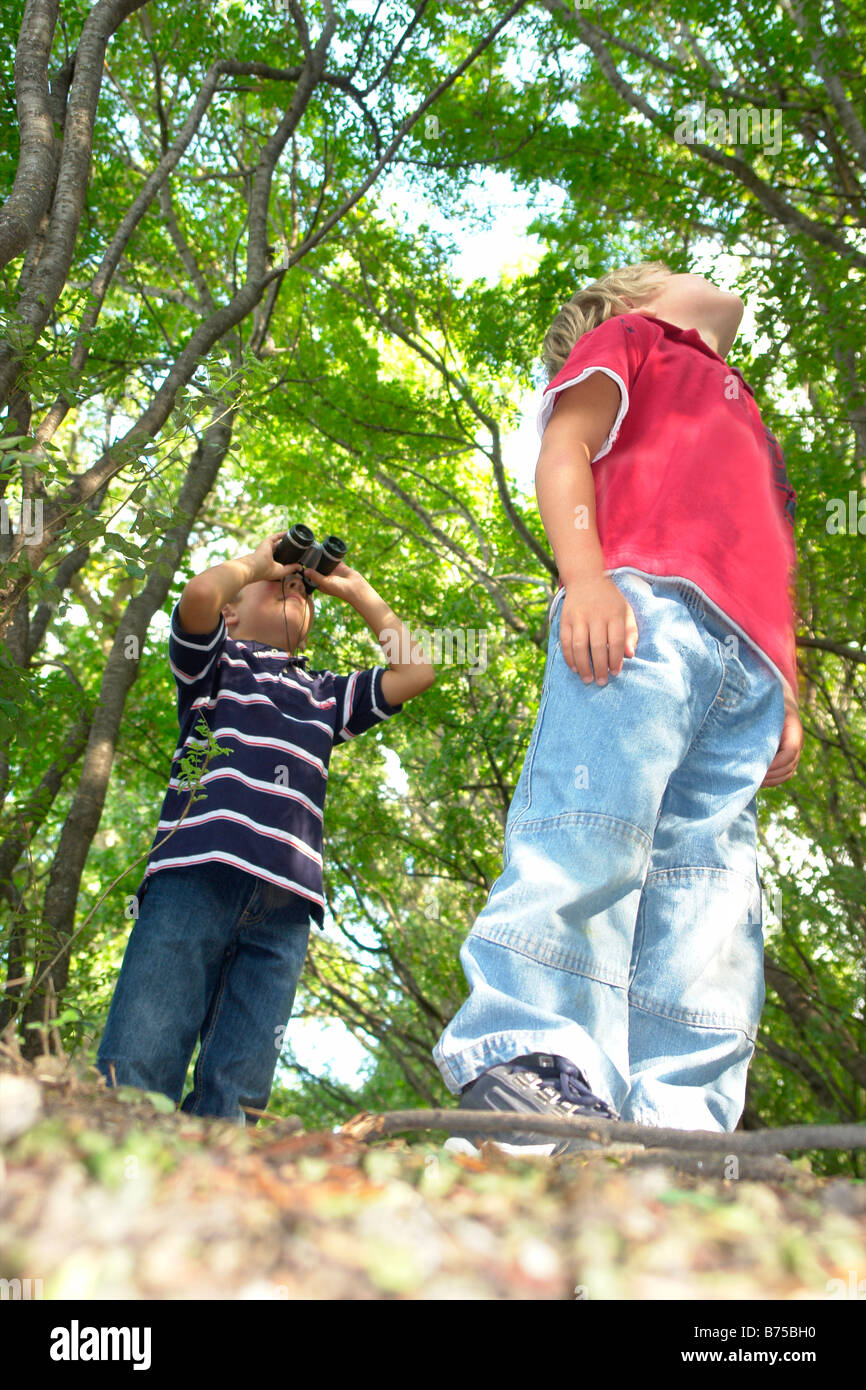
[(217, 953)]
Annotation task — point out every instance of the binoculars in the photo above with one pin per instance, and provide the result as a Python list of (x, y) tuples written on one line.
[(299, 546)]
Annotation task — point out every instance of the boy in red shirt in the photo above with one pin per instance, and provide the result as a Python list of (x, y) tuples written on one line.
[(617, 967)]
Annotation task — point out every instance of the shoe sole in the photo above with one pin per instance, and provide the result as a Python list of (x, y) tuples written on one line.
[(457, 1145)]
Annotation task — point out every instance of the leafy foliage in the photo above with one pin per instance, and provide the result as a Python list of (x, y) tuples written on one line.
[(366, 388)]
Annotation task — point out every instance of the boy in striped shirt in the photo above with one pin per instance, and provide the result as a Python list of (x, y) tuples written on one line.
[(233, 880)]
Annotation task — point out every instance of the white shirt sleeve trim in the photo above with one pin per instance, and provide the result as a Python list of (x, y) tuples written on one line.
[(549, 397), (345, 732), (185, 641), (378, 673)]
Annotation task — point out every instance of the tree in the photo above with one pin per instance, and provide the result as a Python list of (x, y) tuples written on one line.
[(294, 169)]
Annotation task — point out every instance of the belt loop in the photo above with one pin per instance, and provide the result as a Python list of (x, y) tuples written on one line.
[(692, 598)]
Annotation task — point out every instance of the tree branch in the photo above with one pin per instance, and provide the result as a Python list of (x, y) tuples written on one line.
[(31, 191), (789, 1138)]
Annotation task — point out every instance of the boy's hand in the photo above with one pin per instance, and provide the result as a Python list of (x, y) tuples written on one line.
[(597, 621), (784, 765), (264, 564), (342, 582)]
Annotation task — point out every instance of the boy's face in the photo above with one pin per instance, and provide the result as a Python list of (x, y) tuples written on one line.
[(277, 612), (693, 301)]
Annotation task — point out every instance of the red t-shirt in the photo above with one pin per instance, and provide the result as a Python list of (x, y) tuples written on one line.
[(690, 483)]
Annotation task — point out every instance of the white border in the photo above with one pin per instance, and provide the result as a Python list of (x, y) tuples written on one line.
[(549, 397)]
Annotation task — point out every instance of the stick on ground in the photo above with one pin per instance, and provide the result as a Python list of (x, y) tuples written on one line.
[(788, 1139)]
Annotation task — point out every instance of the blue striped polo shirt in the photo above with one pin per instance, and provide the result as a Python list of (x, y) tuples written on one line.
[(264, 804)]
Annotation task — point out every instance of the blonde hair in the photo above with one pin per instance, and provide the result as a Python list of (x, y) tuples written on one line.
[(615, 293)]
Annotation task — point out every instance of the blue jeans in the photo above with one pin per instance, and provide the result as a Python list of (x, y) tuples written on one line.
[(215, 952), (625, 930)]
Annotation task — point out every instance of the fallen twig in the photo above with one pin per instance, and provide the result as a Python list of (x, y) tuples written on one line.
[(290, 1123), (790, 1138)]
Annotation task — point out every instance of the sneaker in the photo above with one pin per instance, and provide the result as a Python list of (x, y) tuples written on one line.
[(537, 1083)]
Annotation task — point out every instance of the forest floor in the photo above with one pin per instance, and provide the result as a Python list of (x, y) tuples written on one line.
[(115, 1195)]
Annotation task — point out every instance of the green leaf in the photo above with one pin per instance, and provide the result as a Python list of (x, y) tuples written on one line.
[(164, 1104)]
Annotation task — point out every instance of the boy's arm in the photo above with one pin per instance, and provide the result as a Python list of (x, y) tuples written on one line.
[(203, 597), (791, 740), (596, 617), (404, 678)]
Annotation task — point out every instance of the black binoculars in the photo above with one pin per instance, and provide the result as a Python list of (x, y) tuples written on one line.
[(299, 546)]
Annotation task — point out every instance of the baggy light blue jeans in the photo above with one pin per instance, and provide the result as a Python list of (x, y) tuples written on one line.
[(625, 930), (216, 952)]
